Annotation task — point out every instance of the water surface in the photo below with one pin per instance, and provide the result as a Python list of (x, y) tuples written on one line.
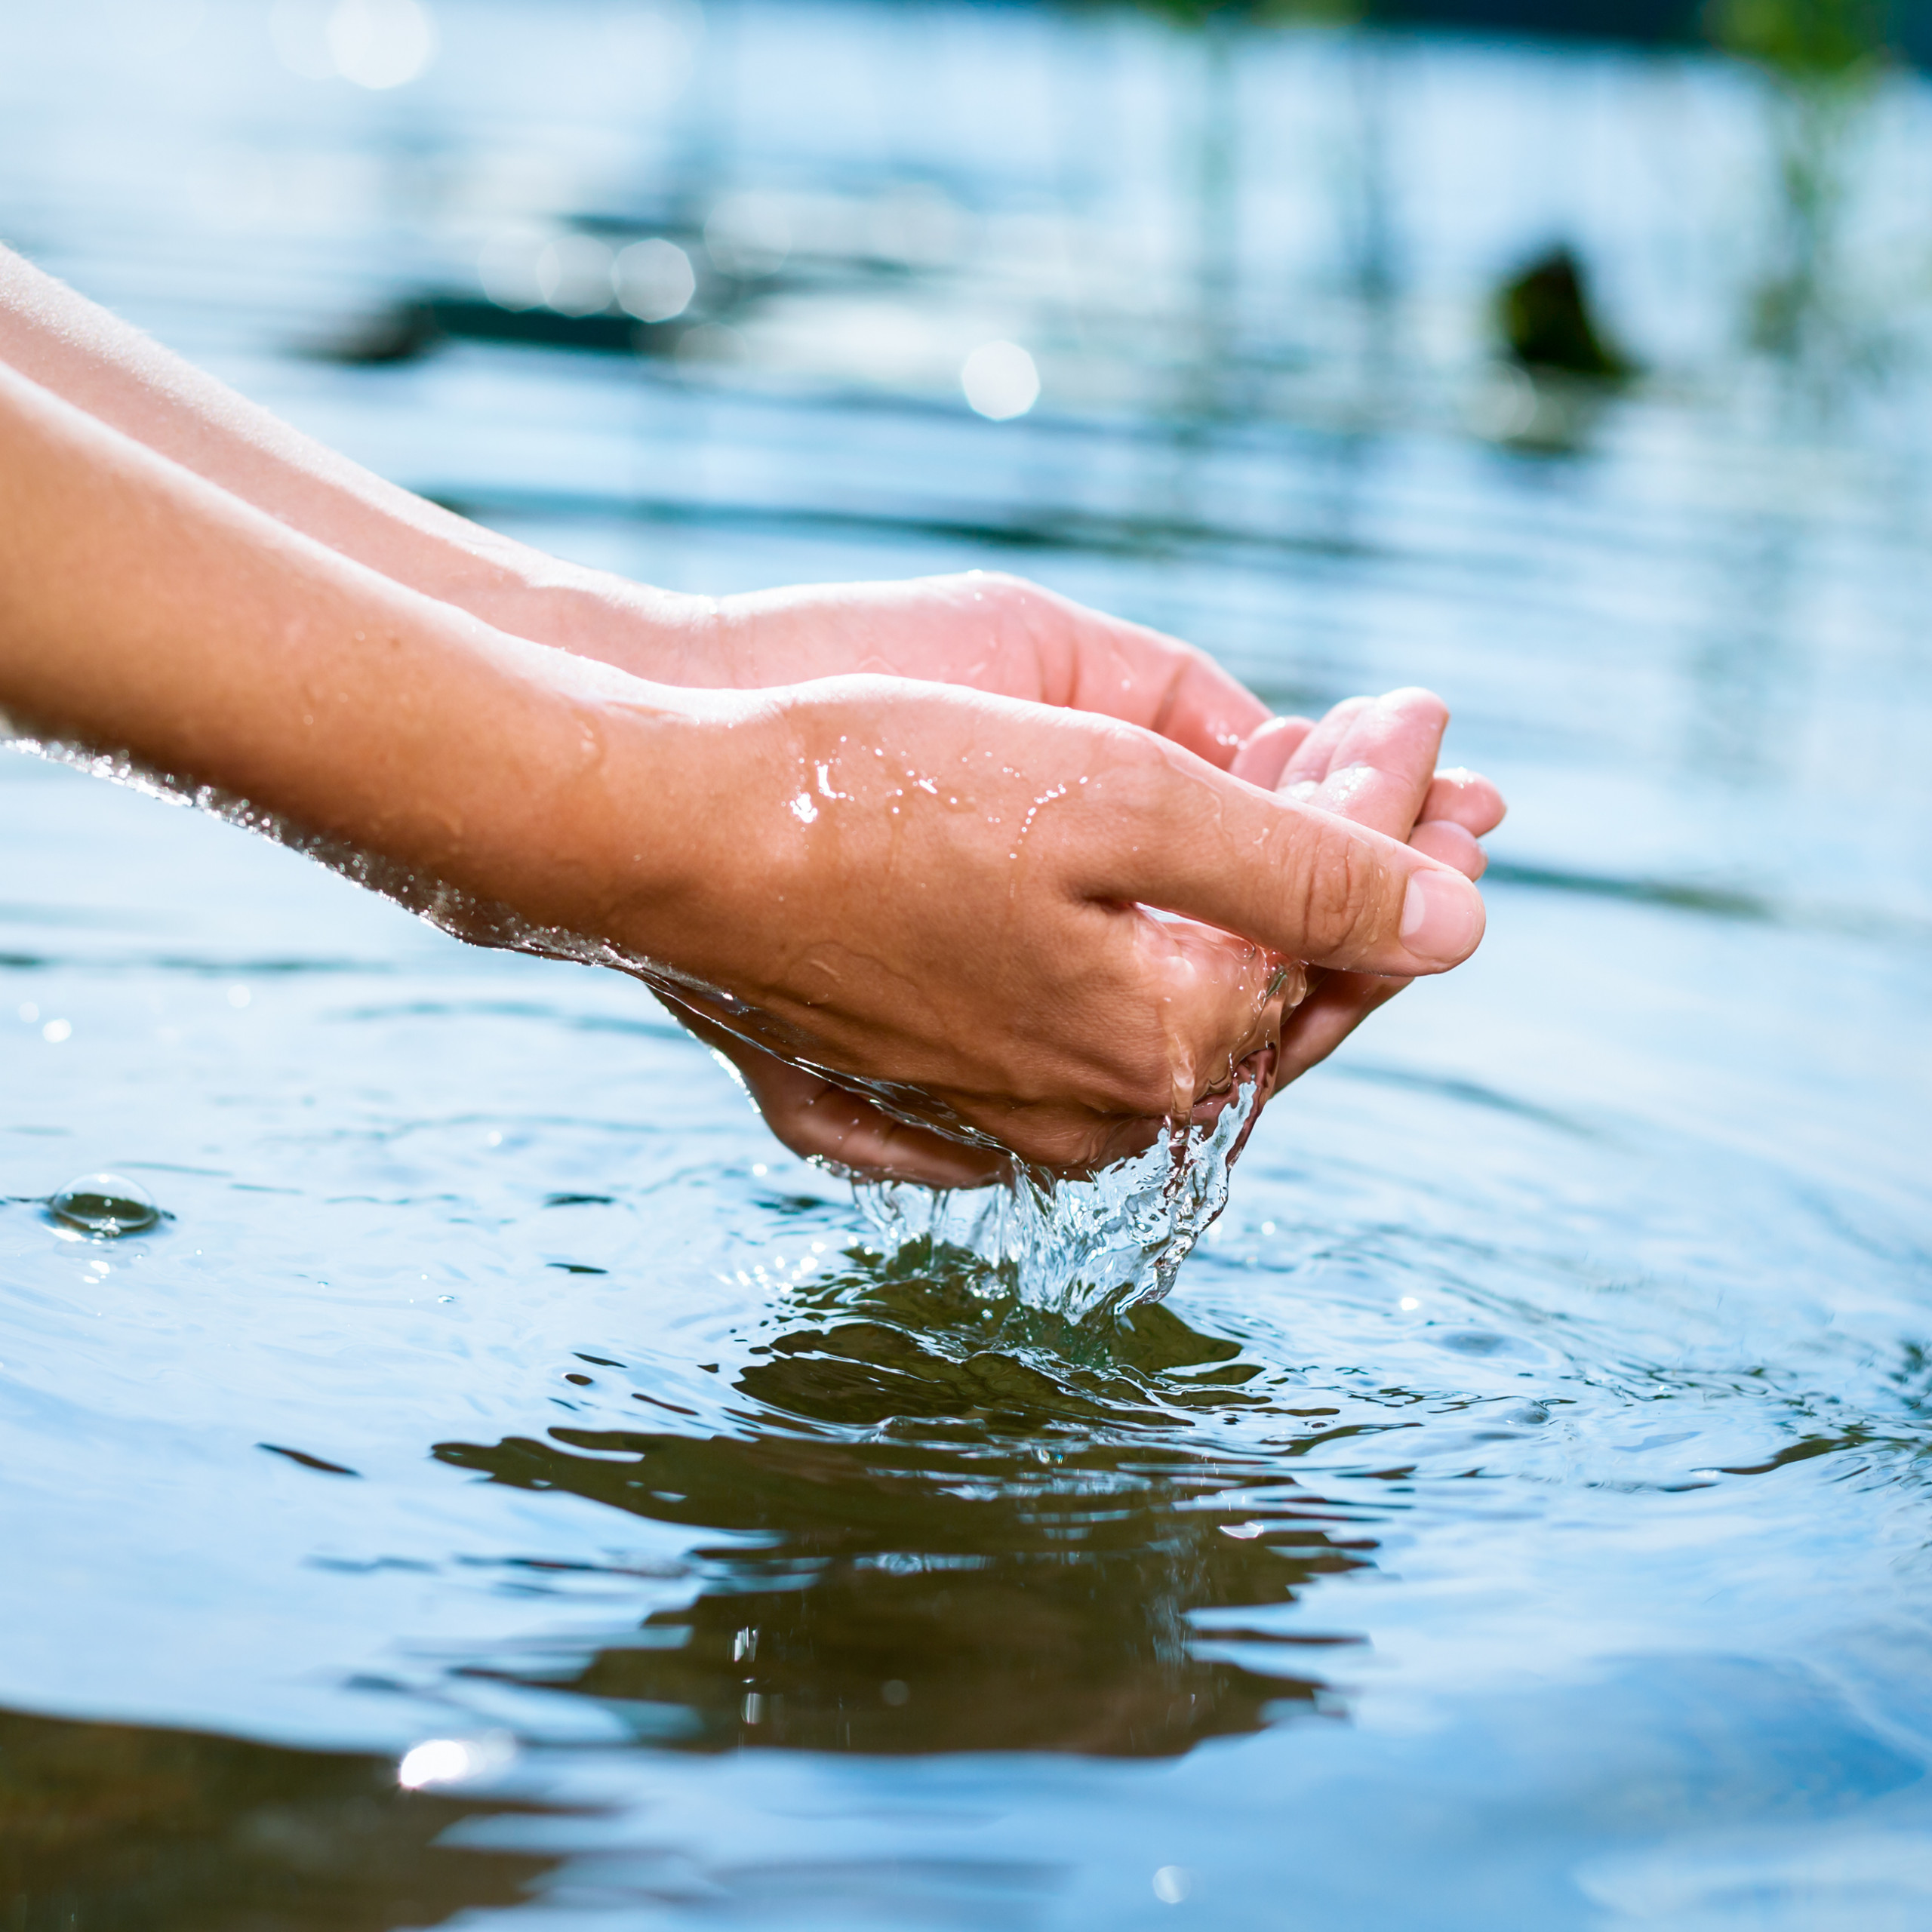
[(1517, 1514)]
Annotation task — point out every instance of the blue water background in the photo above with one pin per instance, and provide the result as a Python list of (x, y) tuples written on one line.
[(1566, 1338)]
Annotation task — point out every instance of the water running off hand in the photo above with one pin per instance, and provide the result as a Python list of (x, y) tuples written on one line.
[(1105, 1241)]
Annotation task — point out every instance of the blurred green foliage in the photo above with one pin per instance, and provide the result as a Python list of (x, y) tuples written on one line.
[(1803, 40), (1260, 13), (1828, 58)]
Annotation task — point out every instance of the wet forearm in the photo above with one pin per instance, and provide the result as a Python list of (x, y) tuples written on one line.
[(104, 366), (142, 610)]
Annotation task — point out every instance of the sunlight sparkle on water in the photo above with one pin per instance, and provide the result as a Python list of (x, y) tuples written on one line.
[(452, 1761), (1000, 380), (374, 44)]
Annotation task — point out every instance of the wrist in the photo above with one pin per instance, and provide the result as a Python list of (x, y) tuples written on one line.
[(578, 799), (650, 633)]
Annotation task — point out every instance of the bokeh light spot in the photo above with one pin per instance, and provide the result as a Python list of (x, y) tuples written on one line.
[(1000, 380), (655, 280), (574, 275), (1172, 1884)]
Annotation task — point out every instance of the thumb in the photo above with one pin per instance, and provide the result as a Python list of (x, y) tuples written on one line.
[(1297, 880)]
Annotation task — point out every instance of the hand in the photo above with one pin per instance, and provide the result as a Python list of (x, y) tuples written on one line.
[(990, 632), (964, 936), (1371, 760), (982, 629)]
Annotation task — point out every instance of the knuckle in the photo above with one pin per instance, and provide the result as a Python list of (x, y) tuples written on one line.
[(1007, 593), (1340, 894)]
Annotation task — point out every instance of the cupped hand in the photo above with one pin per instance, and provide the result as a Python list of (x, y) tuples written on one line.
[(937, 901)]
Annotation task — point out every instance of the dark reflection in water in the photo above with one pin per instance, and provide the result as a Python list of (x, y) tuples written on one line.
[(1005, 1561), (121, 1828)]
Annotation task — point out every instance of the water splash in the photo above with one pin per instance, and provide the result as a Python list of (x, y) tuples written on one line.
[(1076, 1247)]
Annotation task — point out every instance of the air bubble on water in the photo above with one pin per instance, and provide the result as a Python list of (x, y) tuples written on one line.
[(107, 1205)]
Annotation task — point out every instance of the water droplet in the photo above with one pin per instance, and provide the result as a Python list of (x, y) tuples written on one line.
[(105, 1204)]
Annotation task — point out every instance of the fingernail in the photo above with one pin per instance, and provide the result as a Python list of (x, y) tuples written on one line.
[(1442, 918)]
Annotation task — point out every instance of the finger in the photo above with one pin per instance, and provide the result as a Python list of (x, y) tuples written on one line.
[(819, 1121), (1303, 883), (1443, 839), (1338, 1004), (1266, 750), (1467, 798), (1379, 770), (1313, 756)]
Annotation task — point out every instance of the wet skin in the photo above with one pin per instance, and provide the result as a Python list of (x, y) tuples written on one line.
[(905, 834), (1370, 760)]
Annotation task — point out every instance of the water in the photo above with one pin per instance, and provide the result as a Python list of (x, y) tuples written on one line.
[(1516, 1514), (1077, 1246)]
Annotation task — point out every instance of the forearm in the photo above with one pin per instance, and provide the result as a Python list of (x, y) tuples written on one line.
[(143, 610), (101, 365), (991, 635)]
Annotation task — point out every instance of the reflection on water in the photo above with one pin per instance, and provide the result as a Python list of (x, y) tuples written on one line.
[(119, 1828), (1006, 1561)]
